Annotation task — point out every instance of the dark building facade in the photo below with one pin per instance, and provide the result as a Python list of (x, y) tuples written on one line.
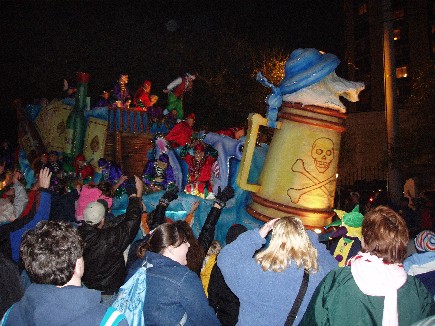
[(364, 144)]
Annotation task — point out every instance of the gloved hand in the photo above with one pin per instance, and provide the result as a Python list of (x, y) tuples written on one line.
[(169, 196), (223, 196)]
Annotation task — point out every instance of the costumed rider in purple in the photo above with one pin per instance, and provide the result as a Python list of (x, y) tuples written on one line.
[(158, 175), (109, 171)]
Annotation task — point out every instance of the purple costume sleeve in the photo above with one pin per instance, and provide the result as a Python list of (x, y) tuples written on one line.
[(149, 172), (117, 93)]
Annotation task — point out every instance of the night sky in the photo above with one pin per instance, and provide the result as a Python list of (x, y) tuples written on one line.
[(44, 42)]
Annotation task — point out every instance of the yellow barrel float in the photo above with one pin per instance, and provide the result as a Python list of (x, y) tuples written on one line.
[(299, 173)]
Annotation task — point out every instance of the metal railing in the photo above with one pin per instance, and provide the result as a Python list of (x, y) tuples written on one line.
[(130, 120)]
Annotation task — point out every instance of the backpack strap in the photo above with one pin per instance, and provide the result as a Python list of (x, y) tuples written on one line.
[(298, 301), (5, 316), (112, 317)]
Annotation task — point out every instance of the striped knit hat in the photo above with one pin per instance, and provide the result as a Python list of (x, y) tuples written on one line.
[(425, 241)]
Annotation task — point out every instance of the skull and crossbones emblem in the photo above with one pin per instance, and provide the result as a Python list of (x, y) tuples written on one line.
[(322, 152)]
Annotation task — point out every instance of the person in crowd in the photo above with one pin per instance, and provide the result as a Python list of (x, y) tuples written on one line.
[(373, 288), (7, 154), (154, 112), (63, 201), (158, 126), (199, 171), (224, 302), (12, 288), (198, 247), (409, 215), (84, 170), (208, 263), (90, 193), (104, 100), (104, 247), (142, 96), (181, 133), (426, 210), (170, 119), (351, 201), (54, 164), (422, 264), (11, 234), (176, 90), (156, 119), (158, 175), (110, 172), (174, 294), (56, 295), (267, 285), (6, 211), (233, 132), (120, 91), (19, 194), (40, 162), (346, 240), (142, 101)]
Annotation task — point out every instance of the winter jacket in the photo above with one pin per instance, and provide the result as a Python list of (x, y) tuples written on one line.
[(339, 301), (48, 305), (103, 254), (88, 195), (224, 302), (266, 297), (422, 266), (173, 293), (20, 200), (20, 226), (11, 287), (63, 206)]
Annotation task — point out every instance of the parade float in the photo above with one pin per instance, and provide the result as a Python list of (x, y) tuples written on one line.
[(294, 175)]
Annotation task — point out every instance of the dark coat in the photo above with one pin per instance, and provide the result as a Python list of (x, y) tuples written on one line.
[(103, 254), (11, 287), (224, 302)]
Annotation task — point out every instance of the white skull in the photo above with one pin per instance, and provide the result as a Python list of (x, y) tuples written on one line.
[(323, 153)]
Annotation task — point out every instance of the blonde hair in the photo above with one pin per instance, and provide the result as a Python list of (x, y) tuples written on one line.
[(214, 249), (289, 242)]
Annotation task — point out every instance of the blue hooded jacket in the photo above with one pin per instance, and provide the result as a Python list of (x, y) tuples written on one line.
[(173, 293)]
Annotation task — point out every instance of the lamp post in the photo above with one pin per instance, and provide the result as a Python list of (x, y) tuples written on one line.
[(391, 111)]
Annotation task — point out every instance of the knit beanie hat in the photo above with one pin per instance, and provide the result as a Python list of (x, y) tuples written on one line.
[(425, 241), (94, 213)]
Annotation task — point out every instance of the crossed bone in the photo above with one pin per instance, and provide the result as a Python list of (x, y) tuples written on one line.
[(295, 194)]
